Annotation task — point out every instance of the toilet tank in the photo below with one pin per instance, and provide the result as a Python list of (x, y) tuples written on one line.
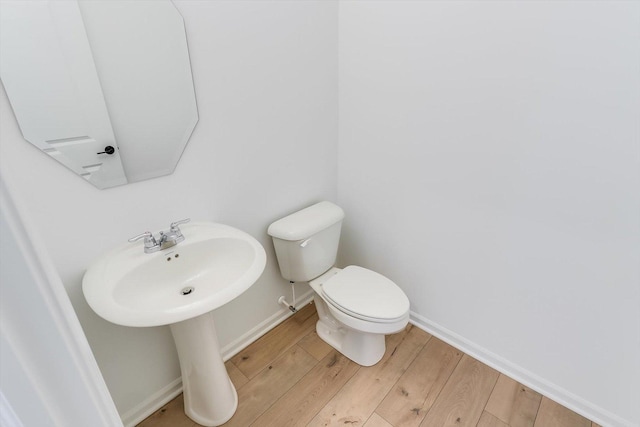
[(306, 242)]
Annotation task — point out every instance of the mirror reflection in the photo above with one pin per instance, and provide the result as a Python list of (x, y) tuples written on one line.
[(103, 87)]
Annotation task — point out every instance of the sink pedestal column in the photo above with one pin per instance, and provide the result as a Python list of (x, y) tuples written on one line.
[(210, 398)]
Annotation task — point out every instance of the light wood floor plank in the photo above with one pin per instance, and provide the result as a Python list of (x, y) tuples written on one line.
[(407, 403), (303, 401), (170, 415), (299, 376), (237, 378), (264, 389), (357, 400), (315, 346), (258, 355), (463, 398), (488, 420), (514, 403), (376, 420), (552, 414)]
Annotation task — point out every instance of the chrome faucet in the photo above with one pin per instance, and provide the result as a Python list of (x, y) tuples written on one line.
[(166, 239)]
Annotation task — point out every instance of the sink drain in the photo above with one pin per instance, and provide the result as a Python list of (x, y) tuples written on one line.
[(187, 290)]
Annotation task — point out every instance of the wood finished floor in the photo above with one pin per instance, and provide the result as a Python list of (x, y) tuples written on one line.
[(290, 377)]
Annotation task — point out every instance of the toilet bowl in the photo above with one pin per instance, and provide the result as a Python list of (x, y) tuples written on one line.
[(356, 325), (356, 307)]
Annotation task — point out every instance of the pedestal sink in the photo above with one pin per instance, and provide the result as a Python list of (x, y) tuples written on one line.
[(180, 287)]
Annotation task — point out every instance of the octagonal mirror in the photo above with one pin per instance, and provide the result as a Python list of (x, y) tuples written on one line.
[(104, 87)]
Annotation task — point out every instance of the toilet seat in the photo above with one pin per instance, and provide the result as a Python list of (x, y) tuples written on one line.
[(366, 295)]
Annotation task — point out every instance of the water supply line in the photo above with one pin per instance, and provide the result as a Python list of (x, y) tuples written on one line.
[(291, 307)]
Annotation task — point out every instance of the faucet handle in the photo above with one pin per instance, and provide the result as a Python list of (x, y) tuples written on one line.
[(174, 225), (150, 242), (148, 238)]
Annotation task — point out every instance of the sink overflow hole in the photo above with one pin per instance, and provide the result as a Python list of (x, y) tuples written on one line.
[(187, 290)]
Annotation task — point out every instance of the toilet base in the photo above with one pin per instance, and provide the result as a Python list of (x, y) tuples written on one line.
[(364, 348)]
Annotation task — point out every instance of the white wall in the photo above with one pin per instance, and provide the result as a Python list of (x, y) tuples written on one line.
[(489, 163), (266, 144)]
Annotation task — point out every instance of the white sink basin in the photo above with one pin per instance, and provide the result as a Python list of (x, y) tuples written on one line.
[(213, 265), (179, 287)]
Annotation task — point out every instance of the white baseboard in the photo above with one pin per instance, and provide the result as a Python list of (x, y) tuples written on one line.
[(242, 342), (151, 404), (156, 401), (523, 376)]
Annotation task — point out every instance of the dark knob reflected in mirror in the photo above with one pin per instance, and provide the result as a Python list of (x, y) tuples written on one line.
[(108, 150)]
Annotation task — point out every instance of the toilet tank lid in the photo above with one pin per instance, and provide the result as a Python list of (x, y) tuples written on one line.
[(306, 222)]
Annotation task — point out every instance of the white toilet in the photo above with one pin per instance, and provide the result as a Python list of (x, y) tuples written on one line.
[(357, 307)]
